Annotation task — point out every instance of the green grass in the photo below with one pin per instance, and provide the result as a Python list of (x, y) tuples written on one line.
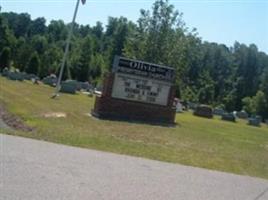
[(195, 141)]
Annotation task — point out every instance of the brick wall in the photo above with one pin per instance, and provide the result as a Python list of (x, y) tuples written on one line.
[(108, 107)]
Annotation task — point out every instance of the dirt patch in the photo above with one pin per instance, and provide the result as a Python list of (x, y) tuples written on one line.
[(54, 114), (13, 121)]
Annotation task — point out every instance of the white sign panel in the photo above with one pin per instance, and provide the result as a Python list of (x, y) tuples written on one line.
[(134, 88)]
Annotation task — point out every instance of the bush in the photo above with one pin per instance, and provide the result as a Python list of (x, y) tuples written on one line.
[(256, 105)]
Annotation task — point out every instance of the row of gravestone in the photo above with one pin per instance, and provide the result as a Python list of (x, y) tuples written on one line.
[(18, 76), (208, 112), (68, 86)]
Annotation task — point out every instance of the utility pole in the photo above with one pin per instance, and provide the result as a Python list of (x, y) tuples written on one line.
[(58, 86)]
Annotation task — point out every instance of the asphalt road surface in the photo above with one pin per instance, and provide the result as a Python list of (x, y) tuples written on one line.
[(34, 170)]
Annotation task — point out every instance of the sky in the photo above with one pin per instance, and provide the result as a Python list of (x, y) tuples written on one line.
[(221, 21)]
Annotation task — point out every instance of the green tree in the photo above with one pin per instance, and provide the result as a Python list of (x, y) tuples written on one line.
[(260, 104), (19, 23), (97, 30), (57, 31), (161, 37), (22, 52), (97, 66), (217, 60), (155, 34), (39, 44), (245, 60), (5, 58), (7, 38), (84, 30), (115, 37), (83, 65), (264, 79), (229, 101), (248, 105), (37, 27), (256, 105), (264, 88), (33, 66), (51, 60)]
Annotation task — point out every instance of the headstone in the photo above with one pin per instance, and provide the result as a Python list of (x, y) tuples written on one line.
[(30, 76), (203, 111), (242, 114), (50, 80), (137, 90), (24, 74), (16, 76), (218, 111), (178, 105), (184, 105), (235, 113), (266, 122), (228, 117), (68, 86), (5, 72), (79, 85), (254, 121), (85, 86), (259, 118), (179, 108)]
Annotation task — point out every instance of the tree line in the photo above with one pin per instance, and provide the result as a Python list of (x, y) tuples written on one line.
[(233, 78)]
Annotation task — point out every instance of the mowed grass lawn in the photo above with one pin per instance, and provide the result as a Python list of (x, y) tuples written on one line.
[(195, 141)]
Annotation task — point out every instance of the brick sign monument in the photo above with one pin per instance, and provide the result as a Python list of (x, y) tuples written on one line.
[(137, 90)]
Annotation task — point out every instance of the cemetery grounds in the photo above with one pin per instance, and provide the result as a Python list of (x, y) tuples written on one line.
[(207, 143)]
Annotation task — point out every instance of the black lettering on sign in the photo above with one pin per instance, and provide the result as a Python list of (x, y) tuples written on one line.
[(130, 96), (143, 69), (150, 99), (143, 87), (127, 84), (132, 90), (153, 94)]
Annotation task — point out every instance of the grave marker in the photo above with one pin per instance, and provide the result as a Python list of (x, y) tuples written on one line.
[(203, 111), (242, 114), (218, 111), (16, 76), (254, 121), (50, 80), (228, 117), (69, 86)]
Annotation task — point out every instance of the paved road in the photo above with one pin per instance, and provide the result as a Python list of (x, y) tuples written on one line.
[(35, 170)]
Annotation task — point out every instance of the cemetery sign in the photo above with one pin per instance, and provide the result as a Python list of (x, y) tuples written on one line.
[(137, 90), (141, 81)]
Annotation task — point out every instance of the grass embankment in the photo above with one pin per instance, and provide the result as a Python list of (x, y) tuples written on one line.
[(195, 141)]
